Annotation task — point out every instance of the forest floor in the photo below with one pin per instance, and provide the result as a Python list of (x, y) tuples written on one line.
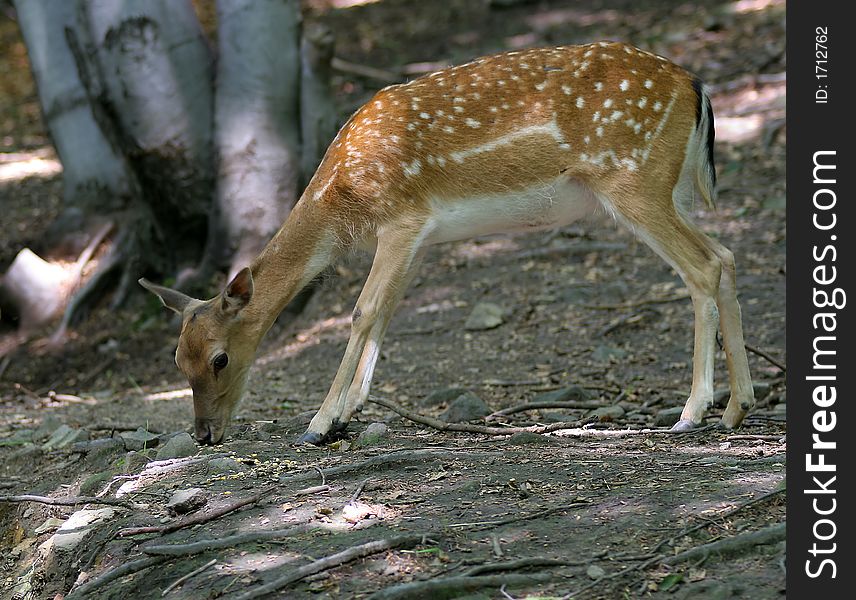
[(609, 509)]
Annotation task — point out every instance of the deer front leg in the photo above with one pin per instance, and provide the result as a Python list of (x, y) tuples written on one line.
[(393, 268)]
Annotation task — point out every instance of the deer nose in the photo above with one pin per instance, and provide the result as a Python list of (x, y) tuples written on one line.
[(203, 432)]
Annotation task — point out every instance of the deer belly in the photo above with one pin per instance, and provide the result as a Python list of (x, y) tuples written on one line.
[(541, 206)]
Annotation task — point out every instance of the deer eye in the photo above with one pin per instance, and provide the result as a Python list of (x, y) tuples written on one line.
[(220, 362)]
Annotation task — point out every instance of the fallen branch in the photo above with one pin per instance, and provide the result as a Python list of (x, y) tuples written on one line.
[(543, 405), (452, 587), (184, 578), (636, 304), (766, 356), (226, 542), (374, 462), (128, 568), (196, 519), (524, 563), (333, 561), (72, 501), (733, 545), (315, 489), (468, 427)]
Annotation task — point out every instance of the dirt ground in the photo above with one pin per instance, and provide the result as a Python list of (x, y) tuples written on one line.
[(603, 510)]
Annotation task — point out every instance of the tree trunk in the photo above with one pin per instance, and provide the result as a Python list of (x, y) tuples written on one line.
[(155, 66), (99, 179), (256, 123), (317, 110)]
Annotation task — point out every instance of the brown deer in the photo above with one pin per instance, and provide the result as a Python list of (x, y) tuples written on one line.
[(520, 141)]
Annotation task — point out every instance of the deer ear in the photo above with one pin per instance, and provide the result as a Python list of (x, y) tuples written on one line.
[(172, 299), (238, 293)]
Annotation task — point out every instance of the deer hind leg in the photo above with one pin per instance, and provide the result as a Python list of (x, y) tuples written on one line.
[(730, 321), (394, 265), (689, 252)]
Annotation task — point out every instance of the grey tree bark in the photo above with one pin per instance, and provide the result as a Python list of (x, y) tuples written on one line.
[(256, 122), (171, 167)]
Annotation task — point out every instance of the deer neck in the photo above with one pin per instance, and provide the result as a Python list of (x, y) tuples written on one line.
[(298, 252)]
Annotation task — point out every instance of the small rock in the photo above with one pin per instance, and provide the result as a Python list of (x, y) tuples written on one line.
[(100, 445), (139, 439), (780, 408), (78, 526), (46, 429), (444, 396), (225, 465), (566, 394), (607, 413), (527, 438), (65, 436), (373, 435), (485, 315), (185, 501), (595, 572), (178, 446), (668, 416), (48, 525), (467, 407)]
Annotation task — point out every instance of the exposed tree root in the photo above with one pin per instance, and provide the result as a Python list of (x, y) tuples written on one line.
[(226, 542), (452, 587), (128, 568), (733, 545), (468, 427), (196, 519), (332, 561)]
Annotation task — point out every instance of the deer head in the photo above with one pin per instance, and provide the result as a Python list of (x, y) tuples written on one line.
[(215, 350)]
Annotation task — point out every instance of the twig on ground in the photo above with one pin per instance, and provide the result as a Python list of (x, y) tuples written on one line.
[(766, 356), (184, 578), (732, 545), (377, 461), (637, 303), (196, 519), (538, 514), (332, 561), (583, 405), (523, 563), (127, 568), (226, 542), (450, 587), (359, 490), (72, 501), (321, 473), (468, 427), (764, 438), (315, 489)]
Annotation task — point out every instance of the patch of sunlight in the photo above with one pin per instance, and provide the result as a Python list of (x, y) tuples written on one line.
[(170, 395), (20, 165), (581, 18), (739, 129), (747, 6), (486, 249), (350, 3), (306, 338)]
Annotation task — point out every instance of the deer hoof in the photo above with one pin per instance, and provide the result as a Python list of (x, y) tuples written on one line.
[(310, 437), (683, 425)]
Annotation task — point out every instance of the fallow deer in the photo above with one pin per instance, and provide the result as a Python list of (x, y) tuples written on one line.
[(520, 141)]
